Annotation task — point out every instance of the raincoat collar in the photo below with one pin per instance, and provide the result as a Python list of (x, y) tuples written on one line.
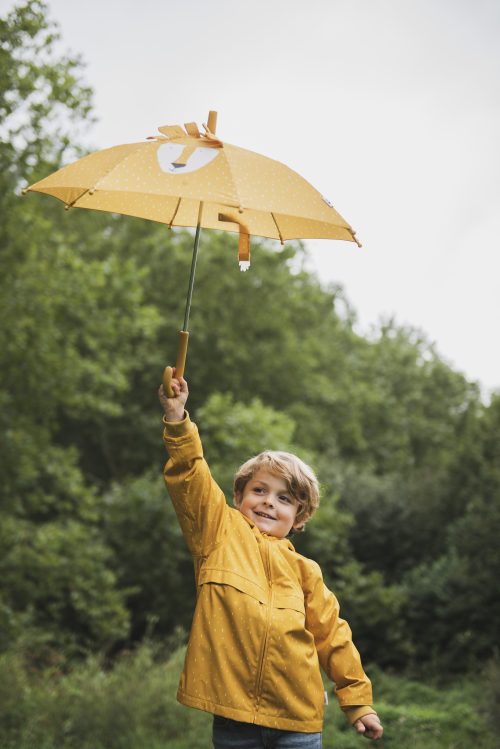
[(259, 534)]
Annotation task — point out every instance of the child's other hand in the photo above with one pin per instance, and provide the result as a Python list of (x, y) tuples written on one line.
[(370, 726), (174, 407)]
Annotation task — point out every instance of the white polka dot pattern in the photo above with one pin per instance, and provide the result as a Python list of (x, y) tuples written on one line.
[(144, 180)]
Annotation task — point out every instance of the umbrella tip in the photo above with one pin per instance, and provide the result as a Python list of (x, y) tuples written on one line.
[(353, 234), (212, 121)]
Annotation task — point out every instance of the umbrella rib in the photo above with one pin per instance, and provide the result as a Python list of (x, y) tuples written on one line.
[(227, 154), (174, 214), (70, 205), (277, 228)]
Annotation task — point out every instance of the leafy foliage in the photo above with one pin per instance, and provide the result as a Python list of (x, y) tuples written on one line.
[(150, 558), (235, 431), (95, 707), (91, 555)]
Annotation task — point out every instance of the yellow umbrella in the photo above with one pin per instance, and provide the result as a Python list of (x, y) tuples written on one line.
[(186, 178)]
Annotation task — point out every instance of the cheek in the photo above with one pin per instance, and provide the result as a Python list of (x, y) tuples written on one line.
[(288, 514)]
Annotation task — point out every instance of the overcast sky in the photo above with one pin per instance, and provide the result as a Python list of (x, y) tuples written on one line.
[(391, 108)]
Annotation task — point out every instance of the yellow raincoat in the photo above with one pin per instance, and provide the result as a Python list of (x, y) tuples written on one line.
[(264, 620)]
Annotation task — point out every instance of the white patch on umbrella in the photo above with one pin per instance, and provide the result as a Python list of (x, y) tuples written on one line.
[(167, 153)]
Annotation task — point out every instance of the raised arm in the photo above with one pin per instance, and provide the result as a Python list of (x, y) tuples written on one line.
[(198, 501)]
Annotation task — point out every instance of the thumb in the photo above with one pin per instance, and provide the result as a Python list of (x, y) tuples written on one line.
[(359, 726)]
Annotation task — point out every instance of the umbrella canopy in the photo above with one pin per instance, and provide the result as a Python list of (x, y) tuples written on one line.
[(187, 178), (166, 177)]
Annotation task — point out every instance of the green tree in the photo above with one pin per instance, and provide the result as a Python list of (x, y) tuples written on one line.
[(455, 604), (150, 559), (59, 589), (233, 432), (45, 105), (411, 416), (59, 353)]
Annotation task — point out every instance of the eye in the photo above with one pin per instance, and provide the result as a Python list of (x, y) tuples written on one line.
[(284, 498), (258, 489)]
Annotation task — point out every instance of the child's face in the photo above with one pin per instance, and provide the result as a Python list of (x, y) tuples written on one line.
[(266, 501)]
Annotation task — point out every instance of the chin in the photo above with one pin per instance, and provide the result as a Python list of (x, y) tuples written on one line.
[(267, 527), (264, 523)]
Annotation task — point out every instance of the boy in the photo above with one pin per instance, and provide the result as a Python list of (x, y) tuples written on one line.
[(264, 621)]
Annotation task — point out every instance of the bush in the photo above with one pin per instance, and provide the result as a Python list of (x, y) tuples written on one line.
[(13, 699), (133, 706), (490, 694), (429, 716)]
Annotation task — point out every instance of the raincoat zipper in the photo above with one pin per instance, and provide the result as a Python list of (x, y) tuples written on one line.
[(260, 665)]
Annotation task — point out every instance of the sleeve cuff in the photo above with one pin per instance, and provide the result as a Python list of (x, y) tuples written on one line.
[(355, 712), (177, 428)]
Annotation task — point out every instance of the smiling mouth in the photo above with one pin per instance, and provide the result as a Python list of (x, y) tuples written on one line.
[(263, 515)]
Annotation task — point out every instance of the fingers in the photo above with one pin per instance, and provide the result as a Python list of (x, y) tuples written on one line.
[(375, 727), (377, 732), (176, 389), (178, 385), (182, 382), (359, 726)]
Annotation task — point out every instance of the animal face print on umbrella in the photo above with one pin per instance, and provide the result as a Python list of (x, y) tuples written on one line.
[(167, 154)]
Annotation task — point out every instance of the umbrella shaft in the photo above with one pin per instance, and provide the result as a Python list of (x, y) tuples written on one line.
[(193, 270)]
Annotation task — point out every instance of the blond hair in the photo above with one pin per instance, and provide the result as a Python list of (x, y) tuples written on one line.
[(300, 479)]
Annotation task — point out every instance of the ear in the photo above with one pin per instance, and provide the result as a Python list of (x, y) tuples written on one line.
[(299, 522)]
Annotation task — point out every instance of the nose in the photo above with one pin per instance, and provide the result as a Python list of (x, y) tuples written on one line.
[(270, 500)]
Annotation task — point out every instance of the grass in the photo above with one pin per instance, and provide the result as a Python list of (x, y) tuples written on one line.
[(133, 705)]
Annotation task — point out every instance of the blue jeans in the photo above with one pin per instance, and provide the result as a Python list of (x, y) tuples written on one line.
[(232, 734)]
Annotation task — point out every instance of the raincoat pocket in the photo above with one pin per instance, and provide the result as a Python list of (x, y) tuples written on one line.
[(290, 601), (235, 580)]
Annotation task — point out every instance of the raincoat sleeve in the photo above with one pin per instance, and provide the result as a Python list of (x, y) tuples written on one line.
[(199, 503), (337, 654)]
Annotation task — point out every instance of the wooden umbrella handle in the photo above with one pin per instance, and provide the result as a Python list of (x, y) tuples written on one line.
[(180, 364)]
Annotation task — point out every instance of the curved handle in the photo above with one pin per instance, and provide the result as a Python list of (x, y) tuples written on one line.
[(167, 379), (180, 364)]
